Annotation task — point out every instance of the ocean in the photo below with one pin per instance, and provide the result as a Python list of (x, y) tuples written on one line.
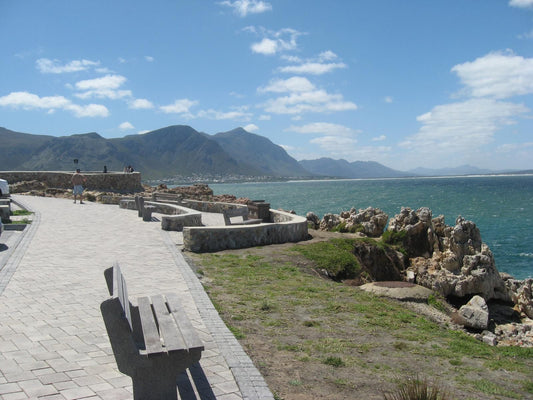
[(501, 206)]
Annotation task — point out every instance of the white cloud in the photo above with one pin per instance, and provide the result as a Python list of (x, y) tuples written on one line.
[(240, 115), (104, 94), (265, 46), (275, 41), (313, 68), (340, 146), (29, 101), (46, 66), (265, 117), (462, 127), (302, 96), (498, 75), (105, 82), (89, 110), (324, 128), (141, 104), (379, 138), (521, 3), (310, 101), (149, 58), (294, 84), (126, 126), (388, 99), (180, 106), (104, 87), (327, 55), (527, 35), (251, 128), (513, 147), (245, 7)]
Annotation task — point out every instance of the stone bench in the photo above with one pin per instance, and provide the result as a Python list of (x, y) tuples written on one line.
[(147, 213), (239, 212), (153, 342), (5, 213)]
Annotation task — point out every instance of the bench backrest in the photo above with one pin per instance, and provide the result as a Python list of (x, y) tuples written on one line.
[(235, 212), (120, 290)]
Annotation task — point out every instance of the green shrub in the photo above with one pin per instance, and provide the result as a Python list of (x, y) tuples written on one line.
[(394, 238), (416, 389)]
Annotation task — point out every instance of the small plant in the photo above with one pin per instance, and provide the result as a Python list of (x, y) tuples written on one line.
[(416, 389), (334, 362), (436, 303)]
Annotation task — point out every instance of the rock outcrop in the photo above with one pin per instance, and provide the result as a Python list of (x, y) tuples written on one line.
[(450, 260), (369, 221)]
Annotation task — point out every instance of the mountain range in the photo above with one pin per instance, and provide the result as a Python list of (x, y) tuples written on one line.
[(179, 151)]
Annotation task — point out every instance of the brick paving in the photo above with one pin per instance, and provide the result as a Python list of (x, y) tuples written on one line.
[(53, 342)]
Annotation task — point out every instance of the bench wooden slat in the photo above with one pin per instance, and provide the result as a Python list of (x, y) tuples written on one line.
[(190, 335), (152, 340), (167, 326)]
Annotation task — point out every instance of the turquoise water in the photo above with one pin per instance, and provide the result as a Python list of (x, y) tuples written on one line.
[(501, 206)]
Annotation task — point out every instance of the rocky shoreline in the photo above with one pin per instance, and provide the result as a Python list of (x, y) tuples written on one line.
[(452, 261)]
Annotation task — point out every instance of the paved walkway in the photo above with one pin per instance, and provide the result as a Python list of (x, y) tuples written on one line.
[(53, 342)]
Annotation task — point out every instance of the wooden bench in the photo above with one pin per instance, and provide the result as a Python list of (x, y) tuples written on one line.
[(153, 343), (239, 212)]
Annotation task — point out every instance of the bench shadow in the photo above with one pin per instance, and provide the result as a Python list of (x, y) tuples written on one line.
[(203, 388)]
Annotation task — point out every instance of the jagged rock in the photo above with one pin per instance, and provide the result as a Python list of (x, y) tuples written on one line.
[(370, 221), (522, 295), (380, 263), (475, 313), (515, 334), (373, 221), (419, 240), (329, 221), (450, 260), (313, 220)]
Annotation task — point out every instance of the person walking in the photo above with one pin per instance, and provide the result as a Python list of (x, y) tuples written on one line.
[(77, 181)]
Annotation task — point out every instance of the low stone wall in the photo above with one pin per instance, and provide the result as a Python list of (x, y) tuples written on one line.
[(175, 217), (287, 228), (210, 206), (111, 181)]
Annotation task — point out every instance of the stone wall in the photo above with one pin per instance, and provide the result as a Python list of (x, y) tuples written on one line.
[(111, 181), (290, 228)]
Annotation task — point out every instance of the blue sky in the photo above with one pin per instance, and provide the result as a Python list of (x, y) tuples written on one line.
[(433, 83)]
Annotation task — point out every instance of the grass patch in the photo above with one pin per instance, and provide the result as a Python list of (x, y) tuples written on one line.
[(22, 212), (334, 362), (335, 257), (290, 319)]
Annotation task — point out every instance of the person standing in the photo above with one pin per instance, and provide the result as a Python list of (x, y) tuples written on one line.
[(77, 181)]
